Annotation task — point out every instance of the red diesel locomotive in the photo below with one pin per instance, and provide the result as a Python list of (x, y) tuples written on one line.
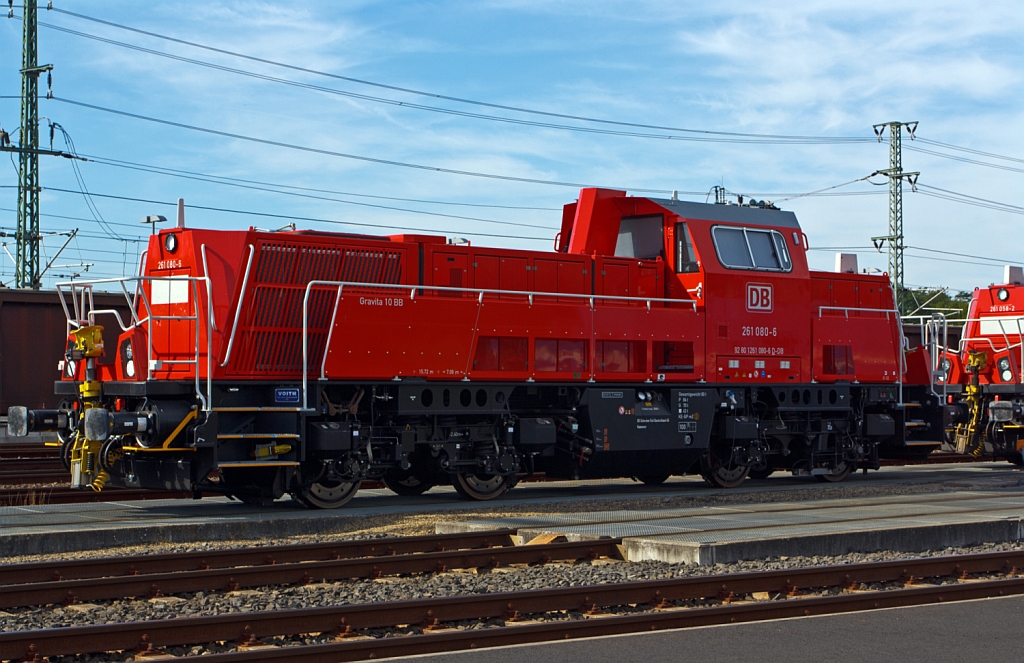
[(660, 337)]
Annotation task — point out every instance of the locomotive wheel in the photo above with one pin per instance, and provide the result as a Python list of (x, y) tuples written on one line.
[(722, 474), (65, 452), (653, 479), (327, 494), (838, 473), (406, 483), (1015, 457), (481, 487), (762, 474)]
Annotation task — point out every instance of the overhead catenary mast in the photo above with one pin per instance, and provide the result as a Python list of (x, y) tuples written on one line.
[(894, 240), (28, 236)]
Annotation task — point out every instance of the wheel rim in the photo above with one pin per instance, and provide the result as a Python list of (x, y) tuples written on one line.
[(481, 487), (725, 475), (838, 473), (329, 494)]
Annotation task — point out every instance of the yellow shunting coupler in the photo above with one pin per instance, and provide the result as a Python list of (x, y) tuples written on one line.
[(85, 466)]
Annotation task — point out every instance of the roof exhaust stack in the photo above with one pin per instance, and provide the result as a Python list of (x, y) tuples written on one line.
[(846, 263), (1013, 275), (181, 212)]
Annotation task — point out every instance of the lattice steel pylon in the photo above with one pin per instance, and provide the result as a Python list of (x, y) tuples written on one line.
[(894, 240), (27, 257)]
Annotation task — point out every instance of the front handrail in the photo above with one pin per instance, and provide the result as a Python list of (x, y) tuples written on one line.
[(85, 314), (478, 292)]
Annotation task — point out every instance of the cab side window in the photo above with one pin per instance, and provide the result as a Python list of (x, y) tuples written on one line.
[(686, 258), (751, 248), (641, 237)]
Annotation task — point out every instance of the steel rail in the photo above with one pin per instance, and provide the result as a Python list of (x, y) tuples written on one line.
[(436, 611), (227, 558), (458, 640), (66, 495), (294, 573), (28, 477)]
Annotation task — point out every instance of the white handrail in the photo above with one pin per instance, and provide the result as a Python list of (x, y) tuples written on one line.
[(479, 292), (238, 307), (85, 288)]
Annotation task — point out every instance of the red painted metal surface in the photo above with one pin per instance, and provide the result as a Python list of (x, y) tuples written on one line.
[(438, 311)]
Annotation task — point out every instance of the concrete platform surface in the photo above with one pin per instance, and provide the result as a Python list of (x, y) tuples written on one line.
[(712, 535), (60, 528), (986, 630)]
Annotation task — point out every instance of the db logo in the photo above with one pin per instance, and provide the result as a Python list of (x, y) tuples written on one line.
[(759, 297)]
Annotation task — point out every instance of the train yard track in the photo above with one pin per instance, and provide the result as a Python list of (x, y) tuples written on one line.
[(150, 576), (397, 628), (31, 474), (22, 464)]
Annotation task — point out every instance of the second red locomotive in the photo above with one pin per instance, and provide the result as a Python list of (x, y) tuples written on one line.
[(659, 337)]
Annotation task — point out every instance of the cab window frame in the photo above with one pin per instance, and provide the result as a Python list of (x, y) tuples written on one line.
[(777, 242), (684, 249)]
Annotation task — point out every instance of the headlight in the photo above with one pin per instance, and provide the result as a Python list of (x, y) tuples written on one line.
[(129, 368), (1003, 294), (945, 364), (1004, 364), (69, 368), (1004, 369)]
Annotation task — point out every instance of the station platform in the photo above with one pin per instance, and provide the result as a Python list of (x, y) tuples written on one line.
[(722, 534), (982, 496)]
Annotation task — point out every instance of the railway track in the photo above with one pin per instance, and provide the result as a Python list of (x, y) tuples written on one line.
[(149, 576), (379, 630), (33, 466)]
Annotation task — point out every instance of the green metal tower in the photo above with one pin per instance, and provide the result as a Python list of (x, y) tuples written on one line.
[(894, 240), (27, 258)]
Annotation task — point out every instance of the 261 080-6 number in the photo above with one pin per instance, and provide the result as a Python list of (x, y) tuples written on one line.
[(760, 331)]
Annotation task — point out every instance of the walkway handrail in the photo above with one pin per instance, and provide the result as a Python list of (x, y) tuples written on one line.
[(478, 292)]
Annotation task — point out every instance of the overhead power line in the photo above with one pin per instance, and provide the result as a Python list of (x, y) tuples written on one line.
[(267, 188), (954, 157), (290, 217), (461, 100), (966, 199), (176, 171), (449, 111), (343, 155), (968, 150)]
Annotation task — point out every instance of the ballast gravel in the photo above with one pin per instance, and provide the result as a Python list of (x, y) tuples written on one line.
[(508, 579)]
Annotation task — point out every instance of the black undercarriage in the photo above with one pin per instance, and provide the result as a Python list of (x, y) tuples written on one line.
[(256, 441)]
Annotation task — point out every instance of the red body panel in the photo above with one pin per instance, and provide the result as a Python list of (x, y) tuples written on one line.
[(438, 311)]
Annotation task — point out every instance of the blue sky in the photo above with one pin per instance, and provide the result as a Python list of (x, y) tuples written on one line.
[(796, 68)]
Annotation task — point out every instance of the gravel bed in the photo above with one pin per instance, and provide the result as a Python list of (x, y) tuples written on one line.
[(420, 586)]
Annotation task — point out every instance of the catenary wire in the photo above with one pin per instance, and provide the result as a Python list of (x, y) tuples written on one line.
[(435, 109), (290, 217), (212, 180), (954, 157), (343, 155), (517, 109), (969, 150)]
